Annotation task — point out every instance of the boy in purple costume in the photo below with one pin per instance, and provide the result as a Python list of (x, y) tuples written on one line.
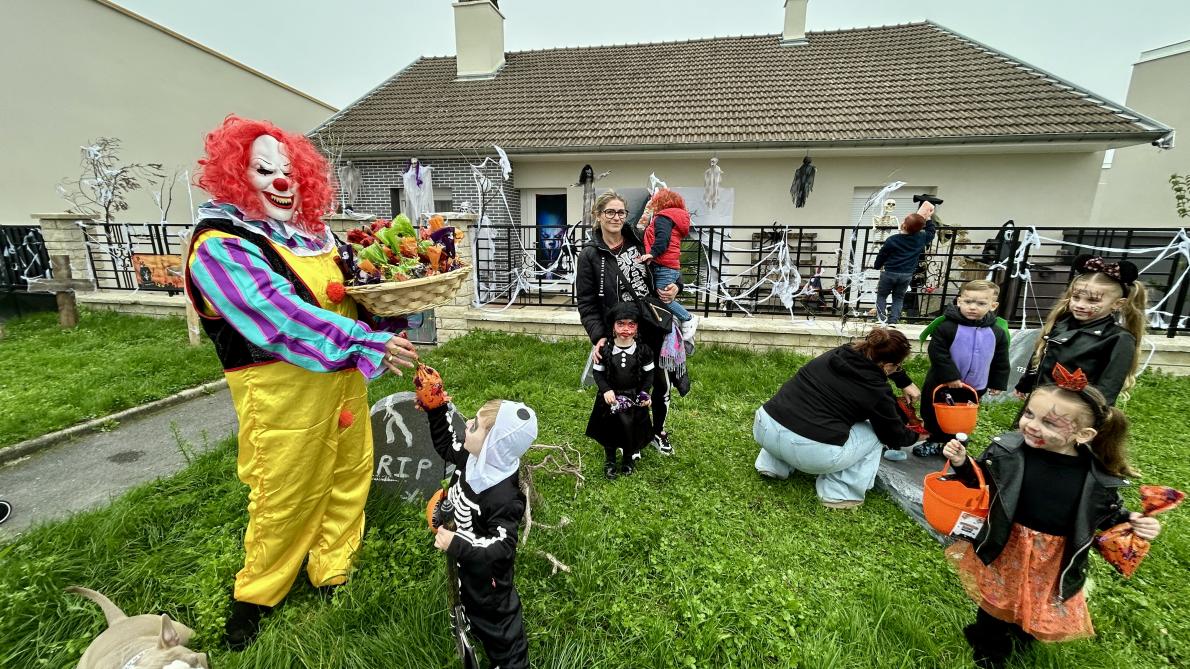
[(967, 347)]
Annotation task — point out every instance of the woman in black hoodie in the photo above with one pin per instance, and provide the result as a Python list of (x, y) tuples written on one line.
[(598, 288), (833, 416)]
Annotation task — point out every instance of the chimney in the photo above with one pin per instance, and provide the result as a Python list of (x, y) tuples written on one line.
[(795, 23), (479, 39)]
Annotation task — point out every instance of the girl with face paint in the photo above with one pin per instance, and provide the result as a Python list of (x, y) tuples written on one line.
[(624, 374), (1054, 483)]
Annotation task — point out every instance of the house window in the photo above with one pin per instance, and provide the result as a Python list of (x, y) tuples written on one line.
[(442, 200)]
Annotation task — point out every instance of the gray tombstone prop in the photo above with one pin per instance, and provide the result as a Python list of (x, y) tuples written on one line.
[(903, 483), (405, 463)]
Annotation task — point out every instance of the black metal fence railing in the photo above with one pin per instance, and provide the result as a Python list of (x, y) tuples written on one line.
[(826, 270), (111, 248), (22, 257)]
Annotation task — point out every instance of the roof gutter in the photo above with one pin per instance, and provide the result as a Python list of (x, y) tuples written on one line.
[(1153, 136)]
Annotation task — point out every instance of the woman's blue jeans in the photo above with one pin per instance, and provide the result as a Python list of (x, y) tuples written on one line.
[(844, 472)]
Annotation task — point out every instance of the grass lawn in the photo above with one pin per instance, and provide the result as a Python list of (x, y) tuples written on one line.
[(54, 378), (694, 562)]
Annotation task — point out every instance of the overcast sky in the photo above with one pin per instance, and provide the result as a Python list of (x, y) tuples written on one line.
[(339, 50)]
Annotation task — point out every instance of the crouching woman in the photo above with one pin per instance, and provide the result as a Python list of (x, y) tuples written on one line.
[(835, 415)]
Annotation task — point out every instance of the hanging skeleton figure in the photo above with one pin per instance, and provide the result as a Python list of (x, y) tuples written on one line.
[(885, 223), (711, 179), (803, 182), (350, 183)]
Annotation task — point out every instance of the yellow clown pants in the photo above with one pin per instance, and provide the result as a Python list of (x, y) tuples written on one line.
[(308, 477)]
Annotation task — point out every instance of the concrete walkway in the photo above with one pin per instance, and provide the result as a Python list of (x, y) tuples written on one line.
[(89, 471)]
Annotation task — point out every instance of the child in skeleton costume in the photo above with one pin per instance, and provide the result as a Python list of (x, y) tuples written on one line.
[(261, 272), (488, 505), (624, 375)]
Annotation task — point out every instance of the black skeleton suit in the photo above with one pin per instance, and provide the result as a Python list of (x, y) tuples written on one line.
[(488, 506)]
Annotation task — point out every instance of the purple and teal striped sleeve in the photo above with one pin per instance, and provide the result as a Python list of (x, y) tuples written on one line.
[(236, 280)]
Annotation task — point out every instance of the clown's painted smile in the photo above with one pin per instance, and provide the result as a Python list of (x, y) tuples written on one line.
[(279, 201)]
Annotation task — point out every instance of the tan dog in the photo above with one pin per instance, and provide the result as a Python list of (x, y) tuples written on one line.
[(138, 642)]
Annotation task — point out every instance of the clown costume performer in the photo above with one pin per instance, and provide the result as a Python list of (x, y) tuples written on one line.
[(261, 273)]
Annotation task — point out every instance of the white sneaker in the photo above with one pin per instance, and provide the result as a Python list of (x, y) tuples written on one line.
[(687, 328)]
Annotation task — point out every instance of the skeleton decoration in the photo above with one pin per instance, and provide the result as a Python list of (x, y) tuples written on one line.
[(350, 181), (711, 179), (269, 173), (885, 223), (803, 182), (419, 190)]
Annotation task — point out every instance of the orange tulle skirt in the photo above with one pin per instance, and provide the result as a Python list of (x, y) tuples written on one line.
[(1021, 585)]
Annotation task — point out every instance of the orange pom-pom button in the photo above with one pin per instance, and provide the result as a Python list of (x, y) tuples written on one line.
[(335, 291), (346, 418)]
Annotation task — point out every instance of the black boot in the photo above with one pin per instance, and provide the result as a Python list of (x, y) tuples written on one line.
[(243, 624)]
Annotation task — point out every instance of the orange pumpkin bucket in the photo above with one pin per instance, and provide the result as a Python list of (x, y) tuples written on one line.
[(945, 500), (957, 417), (432, 506)]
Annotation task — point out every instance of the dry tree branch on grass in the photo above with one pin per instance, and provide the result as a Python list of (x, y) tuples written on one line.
[(562, 460)]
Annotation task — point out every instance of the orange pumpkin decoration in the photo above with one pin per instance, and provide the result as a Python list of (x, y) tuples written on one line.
[(428, 385), (432, 506)]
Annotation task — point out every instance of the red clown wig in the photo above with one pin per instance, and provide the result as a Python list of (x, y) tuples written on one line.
[(665, 198), (224, 171)]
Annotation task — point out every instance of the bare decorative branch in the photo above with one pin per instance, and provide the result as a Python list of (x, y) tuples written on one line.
[(103, 185)]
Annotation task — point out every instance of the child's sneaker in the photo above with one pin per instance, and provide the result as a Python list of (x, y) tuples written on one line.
[(928, 449), (627, 468), (895, 455), (609, 471), (661, 442), (688, 328)]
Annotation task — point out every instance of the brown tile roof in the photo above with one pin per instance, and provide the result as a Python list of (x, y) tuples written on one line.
[(905, 84)]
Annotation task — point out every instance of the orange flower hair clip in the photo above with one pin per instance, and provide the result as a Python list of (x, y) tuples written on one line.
[(1065, 379)]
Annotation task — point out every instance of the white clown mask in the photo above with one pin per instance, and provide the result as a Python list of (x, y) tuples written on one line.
[(269, 173)]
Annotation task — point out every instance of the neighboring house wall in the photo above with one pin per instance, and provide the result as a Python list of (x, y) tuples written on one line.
[(1053, 189), (1135, 189), (75, 70)]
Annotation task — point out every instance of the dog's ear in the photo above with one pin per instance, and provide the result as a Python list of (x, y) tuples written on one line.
[(169, 636)]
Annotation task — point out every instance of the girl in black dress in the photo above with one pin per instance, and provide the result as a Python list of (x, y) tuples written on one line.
[(624, 375)]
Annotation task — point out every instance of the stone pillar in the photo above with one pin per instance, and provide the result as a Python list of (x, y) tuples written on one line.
[(64, 235), (451, 320), (340, 224)]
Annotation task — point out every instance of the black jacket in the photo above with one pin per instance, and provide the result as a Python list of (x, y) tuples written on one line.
[(597, 283), (834, 391), (942, 365), (1003, 465), (901, 252), (1101, 348)]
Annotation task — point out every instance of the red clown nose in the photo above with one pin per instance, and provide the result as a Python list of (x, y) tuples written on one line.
[(281, 184)]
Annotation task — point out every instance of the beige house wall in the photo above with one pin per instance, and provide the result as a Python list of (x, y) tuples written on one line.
[(75, 70), (980, 189), (1135, 189)]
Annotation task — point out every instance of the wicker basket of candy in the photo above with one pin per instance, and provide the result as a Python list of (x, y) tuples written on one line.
[(398, 270)]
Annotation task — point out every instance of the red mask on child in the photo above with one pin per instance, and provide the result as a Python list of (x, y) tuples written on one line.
[(625, 329)]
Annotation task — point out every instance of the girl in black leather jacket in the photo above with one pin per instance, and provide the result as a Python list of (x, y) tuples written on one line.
[(1054, 483)]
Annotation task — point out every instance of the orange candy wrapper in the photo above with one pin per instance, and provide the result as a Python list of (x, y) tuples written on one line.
[(427, 383), (1120, 546)]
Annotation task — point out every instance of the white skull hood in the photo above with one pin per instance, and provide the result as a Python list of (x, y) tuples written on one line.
[(269, 173)]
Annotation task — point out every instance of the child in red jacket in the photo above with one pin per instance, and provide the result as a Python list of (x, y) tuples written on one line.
[(663, 240)]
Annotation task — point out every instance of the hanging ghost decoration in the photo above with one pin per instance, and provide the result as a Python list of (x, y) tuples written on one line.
[(803, 182), (711, 179), (586, 179), (419, 190)]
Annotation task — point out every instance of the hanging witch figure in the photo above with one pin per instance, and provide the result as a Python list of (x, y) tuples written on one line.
[(803, 182), (586, 179)]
